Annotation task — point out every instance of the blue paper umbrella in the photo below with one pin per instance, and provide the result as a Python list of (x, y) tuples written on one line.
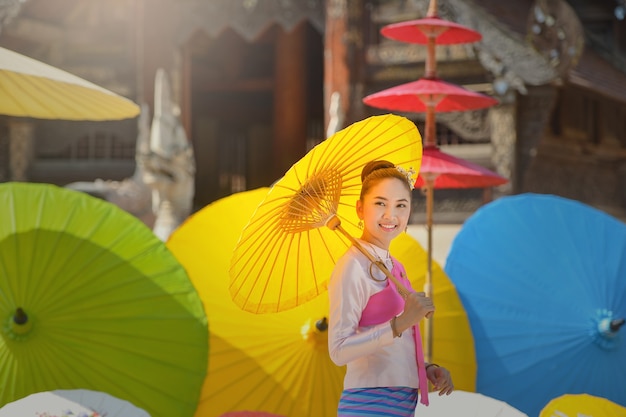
[(543, 281)]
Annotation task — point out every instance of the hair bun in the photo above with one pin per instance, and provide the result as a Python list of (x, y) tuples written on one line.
[(375, 165)]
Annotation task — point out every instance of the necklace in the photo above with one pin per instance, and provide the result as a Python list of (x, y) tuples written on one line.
[(380, 263)]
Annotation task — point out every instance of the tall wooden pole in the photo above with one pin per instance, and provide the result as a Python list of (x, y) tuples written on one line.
[(289, 99), (429, 178)]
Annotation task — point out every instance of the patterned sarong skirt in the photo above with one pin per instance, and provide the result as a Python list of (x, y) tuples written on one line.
[(386, 401)]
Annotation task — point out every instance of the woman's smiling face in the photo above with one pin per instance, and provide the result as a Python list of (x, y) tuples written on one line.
[(385, 211)]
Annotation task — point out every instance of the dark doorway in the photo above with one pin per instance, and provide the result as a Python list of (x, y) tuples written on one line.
[(232, 103)]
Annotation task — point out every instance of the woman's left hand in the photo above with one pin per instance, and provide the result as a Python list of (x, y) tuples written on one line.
[(441, 379)]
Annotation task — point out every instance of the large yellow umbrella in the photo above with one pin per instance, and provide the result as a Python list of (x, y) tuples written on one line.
[(278, 363), (31, 88), (452, 340), (578, 405), (275, 363)]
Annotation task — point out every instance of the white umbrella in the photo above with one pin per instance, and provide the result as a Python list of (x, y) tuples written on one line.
[(76, 402), (467, 404), (31, 88)]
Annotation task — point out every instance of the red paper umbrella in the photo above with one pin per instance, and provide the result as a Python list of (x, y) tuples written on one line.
[(431, 31), (432, 95), (441, 170), (429, 94), (448, 171), (435, 29)]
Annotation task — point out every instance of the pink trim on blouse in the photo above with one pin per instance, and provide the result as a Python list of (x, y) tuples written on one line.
[(388, 303)]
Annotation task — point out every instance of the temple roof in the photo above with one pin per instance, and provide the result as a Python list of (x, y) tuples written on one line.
[(594, 70)]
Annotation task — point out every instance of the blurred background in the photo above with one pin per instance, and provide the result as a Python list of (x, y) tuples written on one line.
[(257, 83)]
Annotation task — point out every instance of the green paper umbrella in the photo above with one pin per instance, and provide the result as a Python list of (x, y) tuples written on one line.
[(91, 298)]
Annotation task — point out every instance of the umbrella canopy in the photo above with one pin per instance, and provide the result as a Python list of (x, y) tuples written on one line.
[(429, 94), (279, 363), (448, 171), (468, 404), (275, 363), (430, 29), (30, 88), (575, 405), (92, 299), (286, 254), (77, 402), (542, 280)]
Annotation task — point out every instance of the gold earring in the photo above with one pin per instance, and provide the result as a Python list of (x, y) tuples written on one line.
[(360, 224)]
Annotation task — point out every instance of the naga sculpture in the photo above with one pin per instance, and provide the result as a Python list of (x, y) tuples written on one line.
[(169, 168), (160, 191)]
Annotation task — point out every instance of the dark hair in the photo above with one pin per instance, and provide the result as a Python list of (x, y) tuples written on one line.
[(375, 171)]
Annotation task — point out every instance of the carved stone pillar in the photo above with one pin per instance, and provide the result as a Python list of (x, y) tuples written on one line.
[(504, 139), (336, 72), (533, 115), (21, 149), (343, 64)]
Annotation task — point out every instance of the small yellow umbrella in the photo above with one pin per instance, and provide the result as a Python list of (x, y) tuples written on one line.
[(578, 405), (287, 251), (31, 88), (279, 363)]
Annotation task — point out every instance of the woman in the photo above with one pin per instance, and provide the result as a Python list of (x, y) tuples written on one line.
[(368, 316)]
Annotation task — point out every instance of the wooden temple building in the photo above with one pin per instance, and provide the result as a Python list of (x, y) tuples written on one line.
[(259, 82)]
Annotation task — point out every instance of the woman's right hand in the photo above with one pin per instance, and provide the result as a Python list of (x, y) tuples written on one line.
[(416, 307)]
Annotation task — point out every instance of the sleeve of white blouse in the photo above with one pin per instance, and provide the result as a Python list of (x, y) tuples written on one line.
[(348, 296)]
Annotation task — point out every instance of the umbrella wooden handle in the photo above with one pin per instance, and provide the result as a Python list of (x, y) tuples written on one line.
[(335, 224)]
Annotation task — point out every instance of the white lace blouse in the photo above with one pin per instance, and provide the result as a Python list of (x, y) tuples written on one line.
[(372, 355)]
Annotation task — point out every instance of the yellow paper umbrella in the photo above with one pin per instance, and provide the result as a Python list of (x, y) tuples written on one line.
[(453, 342), (279, 363), (30, 88), (288, 249), (577, 405), (275, 363)]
